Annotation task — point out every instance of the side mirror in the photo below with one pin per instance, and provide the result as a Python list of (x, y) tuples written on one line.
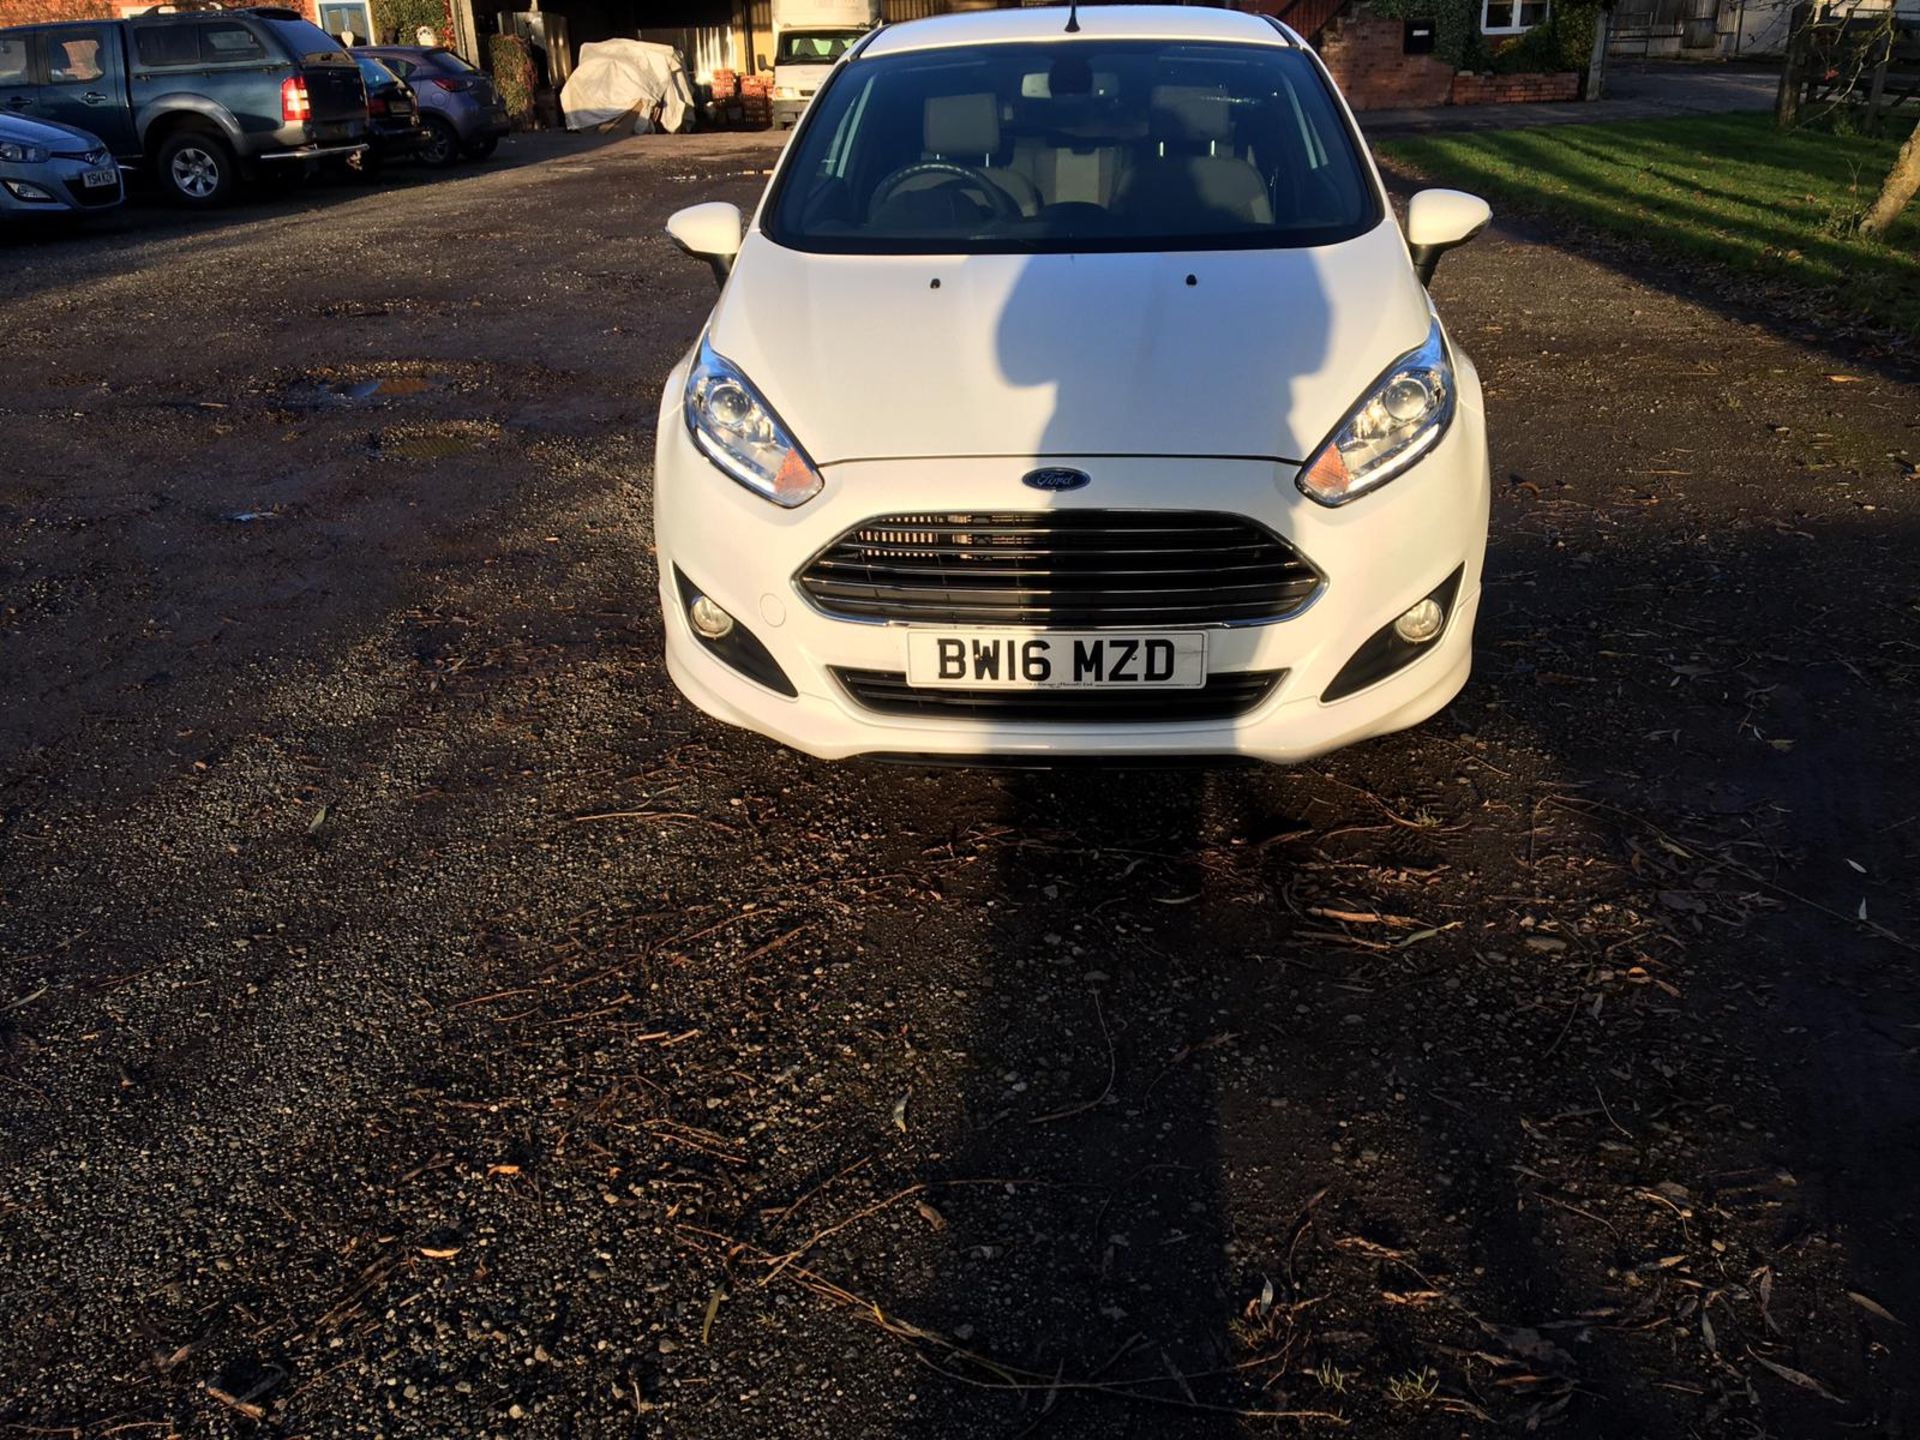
[(709, 232), (1440, 220)]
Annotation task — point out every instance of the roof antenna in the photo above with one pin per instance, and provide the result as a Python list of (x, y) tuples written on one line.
[(1073, 17)]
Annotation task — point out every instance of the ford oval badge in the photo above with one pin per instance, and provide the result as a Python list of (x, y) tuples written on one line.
[(1056, 477)]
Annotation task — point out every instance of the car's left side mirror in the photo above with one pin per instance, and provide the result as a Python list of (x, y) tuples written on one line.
[(709, 232), (1440, 220)]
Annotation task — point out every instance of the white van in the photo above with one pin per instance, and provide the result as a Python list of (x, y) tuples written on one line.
[(808, 36)]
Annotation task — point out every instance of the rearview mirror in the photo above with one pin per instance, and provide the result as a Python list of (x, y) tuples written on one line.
[(709, 232), (1440, 220)]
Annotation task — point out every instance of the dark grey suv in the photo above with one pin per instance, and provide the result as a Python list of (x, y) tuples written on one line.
[(459, 107), (203, 98)]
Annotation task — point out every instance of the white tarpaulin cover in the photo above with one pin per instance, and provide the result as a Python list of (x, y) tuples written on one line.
[(615, 76)]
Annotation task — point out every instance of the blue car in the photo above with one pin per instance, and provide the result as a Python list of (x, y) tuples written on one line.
[(52, 169), (460, 110)]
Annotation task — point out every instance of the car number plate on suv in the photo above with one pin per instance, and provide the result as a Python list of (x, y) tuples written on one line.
[(1055, 660), (100, 179)]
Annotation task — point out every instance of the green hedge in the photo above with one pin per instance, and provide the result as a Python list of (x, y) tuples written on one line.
[(1565, 42), (513, 76), (399, 19)]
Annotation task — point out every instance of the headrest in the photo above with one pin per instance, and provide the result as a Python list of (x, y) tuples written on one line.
[(1197, 114), (962, 125)]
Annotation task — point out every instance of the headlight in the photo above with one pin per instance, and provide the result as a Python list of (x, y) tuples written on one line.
[(1396, 422), (15, 154), (785, 92), (740, 433)]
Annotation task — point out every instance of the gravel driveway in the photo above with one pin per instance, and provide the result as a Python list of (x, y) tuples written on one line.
[(415, 1021)]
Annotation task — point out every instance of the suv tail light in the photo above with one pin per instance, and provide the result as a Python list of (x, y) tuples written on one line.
[(294, 104), (452, 86)]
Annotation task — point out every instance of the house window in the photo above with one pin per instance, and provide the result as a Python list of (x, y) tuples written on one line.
[(1510, 17)]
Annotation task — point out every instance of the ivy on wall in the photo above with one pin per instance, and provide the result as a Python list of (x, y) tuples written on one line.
[(1565, 42), (513, 76), (1456, 25), (398, 20)]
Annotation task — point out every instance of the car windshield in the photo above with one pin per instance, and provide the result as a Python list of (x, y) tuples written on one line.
[(802, 47), (1074, 145), (312, 44)]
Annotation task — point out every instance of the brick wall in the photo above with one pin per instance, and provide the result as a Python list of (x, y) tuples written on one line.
[(1368, 60), (1514, 89), (35, 12)]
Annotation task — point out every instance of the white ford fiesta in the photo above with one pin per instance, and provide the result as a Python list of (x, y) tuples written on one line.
[(1072, 392)]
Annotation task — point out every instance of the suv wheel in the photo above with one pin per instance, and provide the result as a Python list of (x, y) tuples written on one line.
[(196, 168), (443, 145), (483, 148)]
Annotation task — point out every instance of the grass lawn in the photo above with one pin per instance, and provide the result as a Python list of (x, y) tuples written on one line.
[(1727, 188)]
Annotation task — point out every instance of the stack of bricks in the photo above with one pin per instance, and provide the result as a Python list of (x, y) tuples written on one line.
[(756, 101), (1469, 89), (1369, 62)]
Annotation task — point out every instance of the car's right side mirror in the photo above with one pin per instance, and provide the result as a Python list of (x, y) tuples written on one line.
[(1440, 220), (709, 232)]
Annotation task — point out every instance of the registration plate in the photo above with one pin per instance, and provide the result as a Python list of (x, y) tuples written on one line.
[(100, 179), (1055, 660)]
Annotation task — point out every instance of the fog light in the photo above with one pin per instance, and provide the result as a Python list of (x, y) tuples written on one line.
[(27, 190), (709, 619), (1421, 622)]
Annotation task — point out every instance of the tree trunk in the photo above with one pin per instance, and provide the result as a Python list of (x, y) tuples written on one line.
[(1597, 65), (1901, 184), (1793, 79)]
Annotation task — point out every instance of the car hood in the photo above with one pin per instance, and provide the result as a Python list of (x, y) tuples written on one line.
[(47, 132), (1256, 353)]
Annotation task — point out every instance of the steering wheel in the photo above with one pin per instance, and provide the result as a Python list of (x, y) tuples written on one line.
[(999, 202)]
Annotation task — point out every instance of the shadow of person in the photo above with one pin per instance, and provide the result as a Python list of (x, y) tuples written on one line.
[(1098, 1282)]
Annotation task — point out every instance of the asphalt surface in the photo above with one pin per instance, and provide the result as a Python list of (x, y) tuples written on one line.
[(416, 1021)]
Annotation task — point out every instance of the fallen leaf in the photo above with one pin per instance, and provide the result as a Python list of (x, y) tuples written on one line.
[(1863, 909), (503, 1169), (900, 1113), (1781, 745), (1858, 867), (319, 819), (1798, 1377), (433, 1254), (1840, 380), (932, 1216), (1874, 1307)]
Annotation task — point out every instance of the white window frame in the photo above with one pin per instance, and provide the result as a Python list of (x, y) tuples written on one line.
[(1511, 9)]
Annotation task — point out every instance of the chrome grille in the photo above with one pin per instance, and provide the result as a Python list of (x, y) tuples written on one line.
[(1062, 568)]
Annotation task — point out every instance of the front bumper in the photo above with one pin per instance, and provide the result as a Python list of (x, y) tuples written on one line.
[(787, 113), (1378, 555), (61, 180)]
